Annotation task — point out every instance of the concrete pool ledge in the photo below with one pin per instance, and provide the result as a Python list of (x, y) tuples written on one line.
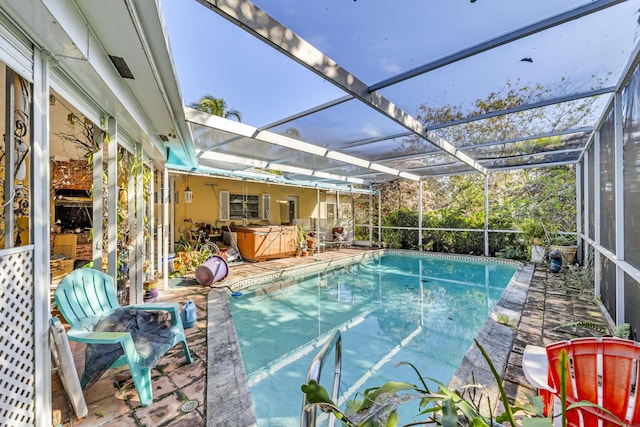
[(229, 402), (497, 337)]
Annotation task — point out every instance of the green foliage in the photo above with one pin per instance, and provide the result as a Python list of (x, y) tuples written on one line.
[(397, 239), (537, 201), (622, 330), (445, 407), (217, 107), (515, 252)]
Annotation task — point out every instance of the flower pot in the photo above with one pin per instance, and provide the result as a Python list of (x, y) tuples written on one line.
[(568, 253), (537, 253)]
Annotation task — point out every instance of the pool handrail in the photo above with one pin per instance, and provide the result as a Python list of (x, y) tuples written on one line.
[(308, 417)]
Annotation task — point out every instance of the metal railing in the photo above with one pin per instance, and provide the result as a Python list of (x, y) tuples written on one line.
[(308, 416)]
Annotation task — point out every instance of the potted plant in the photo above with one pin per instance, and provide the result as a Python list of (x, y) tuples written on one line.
[(567, 245), (443, 406), (536, 234), (311, 240), (534, 231)]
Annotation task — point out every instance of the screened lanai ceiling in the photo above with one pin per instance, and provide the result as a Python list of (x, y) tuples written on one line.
[(339, 92)]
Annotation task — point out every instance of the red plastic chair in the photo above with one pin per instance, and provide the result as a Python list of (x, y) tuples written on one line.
[(604, 371)]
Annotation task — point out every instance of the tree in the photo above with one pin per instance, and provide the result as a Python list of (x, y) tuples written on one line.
[(216, 106), (515, 196)]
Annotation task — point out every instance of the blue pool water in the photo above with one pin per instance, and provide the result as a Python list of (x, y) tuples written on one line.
[(420, 309)]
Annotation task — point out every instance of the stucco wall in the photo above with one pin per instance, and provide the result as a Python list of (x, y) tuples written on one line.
[(205, 203)]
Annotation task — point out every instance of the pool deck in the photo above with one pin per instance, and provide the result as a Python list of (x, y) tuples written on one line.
[(538, 312)]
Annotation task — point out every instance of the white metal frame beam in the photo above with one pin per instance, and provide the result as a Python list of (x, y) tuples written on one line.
[(500, 40), (255, 21), (215, 122)]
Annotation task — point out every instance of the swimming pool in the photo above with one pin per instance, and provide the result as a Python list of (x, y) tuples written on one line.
[(392, 308)]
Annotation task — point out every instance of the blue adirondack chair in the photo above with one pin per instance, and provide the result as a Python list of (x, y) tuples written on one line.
[(85, 296)]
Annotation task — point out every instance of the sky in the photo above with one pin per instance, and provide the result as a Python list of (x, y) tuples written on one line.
[(377, 39), (246, 83)]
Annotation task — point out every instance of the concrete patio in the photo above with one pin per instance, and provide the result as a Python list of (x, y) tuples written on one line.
[(552, 303)]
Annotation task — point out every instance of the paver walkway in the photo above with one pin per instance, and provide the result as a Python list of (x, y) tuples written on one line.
[(555, 307), (551, 304)]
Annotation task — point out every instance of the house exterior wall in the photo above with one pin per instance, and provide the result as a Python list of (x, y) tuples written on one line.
[(204, 207), (33, 36)]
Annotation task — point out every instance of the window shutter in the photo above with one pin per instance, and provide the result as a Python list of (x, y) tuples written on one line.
[(266, 206), (224, 205)]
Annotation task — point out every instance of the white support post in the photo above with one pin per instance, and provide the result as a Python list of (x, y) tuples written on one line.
[(138, 246), (380, 217), (112, 199), (152, 219), (587, 202), (619, 203), (353, 216), (164, 194), (420, 201), (98, 203), (41, 225), (132, 244), (371, 214), (9, 155), (579, 213), (318, 222), (596, 213), (486, 214)]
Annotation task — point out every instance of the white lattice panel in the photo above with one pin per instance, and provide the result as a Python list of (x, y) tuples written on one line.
[(17, 363)]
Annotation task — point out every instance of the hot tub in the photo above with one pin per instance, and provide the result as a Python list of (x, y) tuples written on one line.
[(263, 242)]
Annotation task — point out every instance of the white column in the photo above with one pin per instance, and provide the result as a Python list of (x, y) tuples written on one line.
[(579, 213), (138, 246), (98, 204), (112, 199), (371, 214), (318, 222), (152, 218), (380, 217), (164, 194), (596, 213), (9, 155), (420, 200), (619, 202), (486, 214), (41, 269)]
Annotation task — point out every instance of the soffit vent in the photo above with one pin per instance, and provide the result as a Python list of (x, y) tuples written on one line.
[(122, 67)]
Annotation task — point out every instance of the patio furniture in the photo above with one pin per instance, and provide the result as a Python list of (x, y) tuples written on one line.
[(325, 244), (87, 300), (603, 371), (63, 360)]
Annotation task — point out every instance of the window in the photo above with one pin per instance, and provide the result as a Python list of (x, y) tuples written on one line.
[(239, 206), (266, 208)]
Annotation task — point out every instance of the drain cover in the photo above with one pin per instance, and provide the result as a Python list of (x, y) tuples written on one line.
[(189, 406)]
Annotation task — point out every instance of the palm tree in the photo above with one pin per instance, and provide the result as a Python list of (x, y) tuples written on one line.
[(216, 106)]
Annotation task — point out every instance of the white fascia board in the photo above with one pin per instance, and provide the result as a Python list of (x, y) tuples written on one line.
[(75, 26), (252, 19), (150, 17)]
